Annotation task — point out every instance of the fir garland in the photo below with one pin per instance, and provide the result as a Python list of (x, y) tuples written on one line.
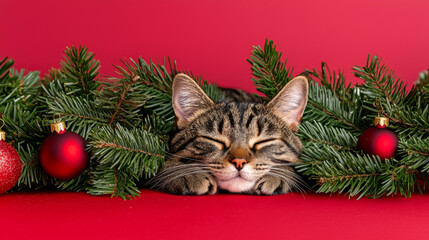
[(128, 120)]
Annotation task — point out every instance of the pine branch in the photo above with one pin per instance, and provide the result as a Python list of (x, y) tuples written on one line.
[(325, 106), (80, 114), (423, 84), (80, 67), (108, 181), (55, 83), (157, 125), (123, 97), (420, 91), (355, 174), (78, 184), (413, 119), (337, 138), (336, 82), (137, 150), (270, 73), (381, 81), (155, 84), (388, 94), (19, 93), (32, 175), (415, 151), (212, 90)]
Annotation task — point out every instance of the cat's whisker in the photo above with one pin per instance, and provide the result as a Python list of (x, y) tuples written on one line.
[(283, 164), (164, 180), (175, 169), (178, 169), (293, 177), (289, 180)]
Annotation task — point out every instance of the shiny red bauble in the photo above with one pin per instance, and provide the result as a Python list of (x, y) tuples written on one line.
[(63, 155), (378, 140), (10, 166)]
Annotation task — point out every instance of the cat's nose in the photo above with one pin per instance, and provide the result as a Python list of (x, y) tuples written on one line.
[(239, 162)]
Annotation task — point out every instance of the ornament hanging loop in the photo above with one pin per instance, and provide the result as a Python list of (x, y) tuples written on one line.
[(59, 117), (380, 121)]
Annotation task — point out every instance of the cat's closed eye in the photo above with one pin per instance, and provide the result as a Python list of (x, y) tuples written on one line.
[(262, 143), (221, 144)]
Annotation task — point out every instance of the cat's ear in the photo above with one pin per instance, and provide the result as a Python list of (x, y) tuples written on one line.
[(290, 102), (189, 100)]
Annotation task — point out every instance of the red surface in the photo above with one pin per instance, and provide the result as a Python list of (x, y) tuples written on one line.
[(161, 216), (214, 38)]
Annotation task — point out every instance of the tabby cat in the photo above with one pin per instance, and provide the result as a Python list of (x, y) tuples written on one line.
[(240, 147)]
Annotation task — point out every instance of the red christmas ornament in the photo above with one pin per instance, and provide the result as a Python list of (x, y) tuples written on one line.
[(63, 154), (379, 140), (10, 165)]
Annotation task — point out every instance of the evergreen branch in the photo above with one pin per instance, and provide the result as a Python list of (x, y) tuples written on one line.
[(334, 116), (212, 90), (56, 83), (116, 146), (270, 73), (32, 174), (415, 151), (19, 93), (136, 150), (107, 181), (54, 74), (29, 132), (81, 115), (317, 133), (355, 174), (417, 118), (120, 101), (157, 125), (379, 80), (123, 97), (327, 108), (423, 84), (420, 91), (154, 85), (337, 84), (5, 66), (79, 66), (78, 184)]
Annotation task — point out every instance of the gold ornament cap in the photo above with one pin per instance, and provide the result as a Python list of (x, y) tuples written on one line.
[(2, 136), (58, 127), (382, 121)]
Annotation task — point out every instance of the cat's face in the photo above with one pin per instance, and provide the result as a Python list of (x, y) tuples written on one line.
[(238, 143)]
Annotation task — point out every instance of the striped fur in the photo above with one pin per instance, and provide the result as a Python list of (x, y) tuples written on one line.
[(211, 135)]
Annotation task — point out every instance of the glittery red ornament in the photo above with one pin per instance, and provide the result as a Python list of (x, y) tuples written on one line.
[(10, 165), (379, 140), (62, 154)]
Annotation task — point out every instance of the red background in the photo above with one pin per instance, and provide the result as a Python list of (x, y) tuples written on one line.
[(214, 39)]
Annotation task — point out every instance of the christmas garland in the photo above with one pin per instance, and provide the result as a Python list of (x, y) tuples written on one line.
[(127, 121)]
